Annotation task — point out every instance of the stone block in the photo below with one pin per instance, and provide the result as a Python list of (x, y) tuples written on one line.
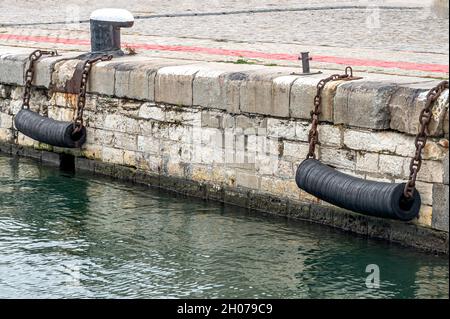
[(46, 66), (102, 78), (6, 120), (174, 84), (50, 158), (135, 79), (217, 86), (367, 162), (150, 111), (12, 67), (277, 128), (393, 165), (303, 91), (212, 119), (267, 92), (363, 104), (121, 123), (370, 141), (405, 107), (148, 144), (112, 155), (247, 180), (446, 124), (425, 216), (446, 169), (430, 171), (330, 135), (338, 158), (6, 135), (63, 72), (440, 207)]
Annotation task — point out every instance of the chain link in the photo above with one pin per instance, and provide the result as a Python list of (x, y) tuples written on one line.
[(29, 74), (422, 136), (81, 102), (313, 136)]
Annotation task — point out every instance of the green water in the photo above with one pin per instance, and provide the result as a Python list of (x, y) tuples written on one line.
[(65, 236)]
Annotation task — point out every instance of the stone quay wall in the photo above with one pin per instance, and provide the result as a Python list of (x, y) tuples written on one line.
[(236, 133)]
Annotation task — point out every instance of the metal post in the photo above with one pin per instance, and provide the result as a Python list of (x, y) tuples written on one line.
[(306, 70), (305, 61), (105, 29)]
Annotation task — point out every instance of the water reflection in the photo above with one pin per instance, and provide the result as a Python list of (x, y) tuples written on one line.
[(82, 236)]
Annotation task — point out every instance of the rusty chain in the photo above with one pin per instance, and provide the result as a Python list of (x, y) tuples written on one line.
[(313, 136), (81, 102), (421, 137), (29, 75)]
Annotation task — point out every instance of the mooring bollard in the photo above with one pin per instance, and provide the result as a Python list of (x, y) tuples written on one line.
[(105, 29), (306, 70), (304, 57)]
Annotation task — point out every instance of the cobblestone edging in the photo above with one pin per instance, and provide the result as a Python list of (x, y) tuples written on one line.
[(236, 133)]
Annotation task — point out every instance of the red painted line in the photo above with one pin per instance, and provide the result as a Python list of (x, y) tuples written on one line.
[(44, 39), (427, 67)]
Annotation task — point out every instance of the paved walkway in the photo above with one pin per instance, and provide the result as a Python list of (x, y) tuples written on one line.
[(394, 37)]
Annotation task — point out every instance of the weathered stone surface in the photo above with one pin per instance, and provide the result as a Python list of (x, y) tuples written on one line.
[(425, 190), (6, 120), (247, 180), (84, 164), (347, 220), (174, 84), (267, 203), (370, 141), (440, 207), (430, 171), (338, 158), (6, 135), (303, 91), (363, 104), (425, 215), (63, 73), (212, 119), (150, 111), (102, 78), (50, 158), (120, 123), (367, 162), (446, 169), (208, 150), (281, 128), (446, 124), (217, 86), (135, 79), (5, 145), (330, 135), (379, 228), (392, 165), (295, 150), (12, 67), (236, 197), (405, 107), (267, 92), (46, 66), (299, 211)]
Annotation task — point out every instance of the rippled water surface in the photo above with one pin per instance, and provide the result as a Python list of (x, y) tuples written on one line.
[(83, 236)]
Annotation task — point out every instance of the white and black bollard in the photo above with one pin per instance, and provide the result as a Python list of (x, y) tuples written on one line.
[(105, 29)]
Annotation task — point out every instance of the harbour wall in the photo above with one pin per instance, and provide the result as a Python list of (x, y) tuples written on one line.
[(236, 132)]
